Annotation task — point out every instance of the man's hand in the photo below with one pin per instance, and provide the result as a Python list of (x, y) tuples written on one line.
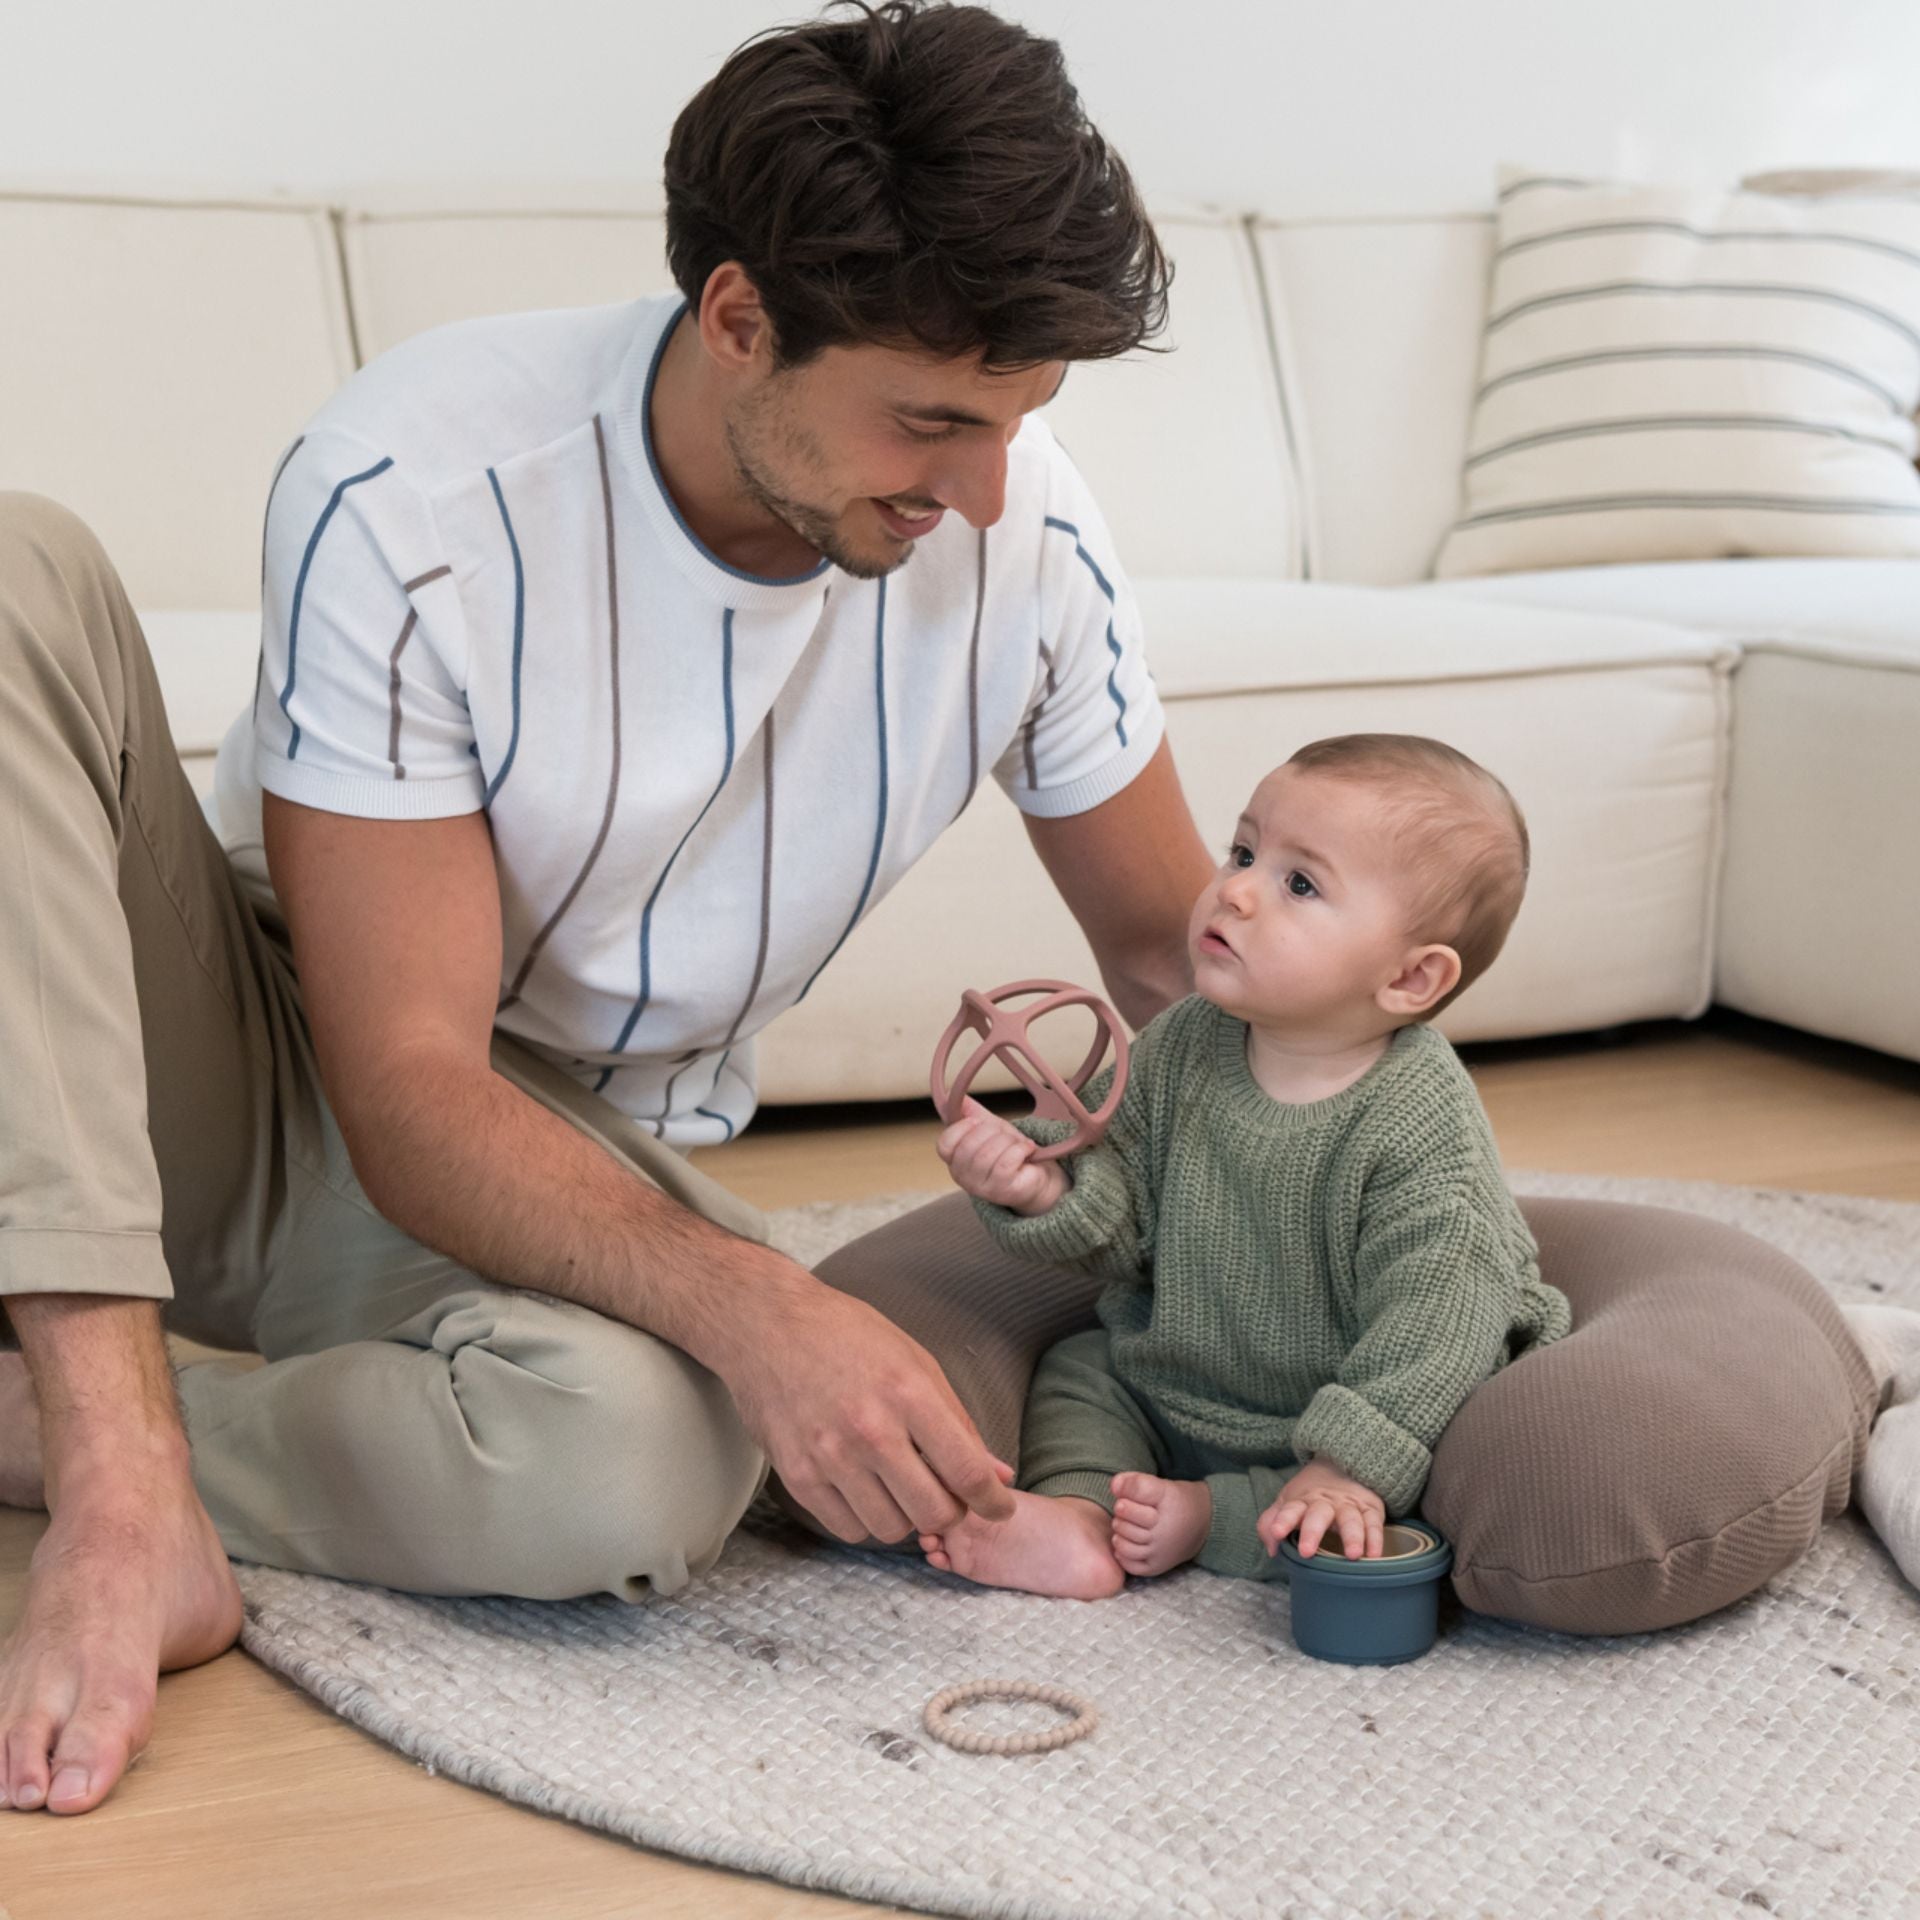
[(992, 1159), (857, 1418), (1317, 1499)]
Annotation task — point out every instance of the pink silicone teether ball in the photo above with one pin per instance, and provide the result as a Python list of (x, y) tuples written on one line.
[(1003, 1035)]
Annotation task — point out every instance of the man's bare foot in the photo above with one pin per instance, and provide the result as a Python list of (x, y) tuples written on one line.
[(21, 1484), (1049, 1546), (1158, 1524), (123, 1586)]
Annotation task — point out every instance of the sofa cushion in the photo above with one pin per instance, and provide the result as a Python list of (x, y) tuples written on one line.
[(411, 267), (1819, 907), (1866, 600), (1611, 733), (158, 358), (206, 664), (1678, 373), (1823, 800), (1191, 451), (1379, 324)]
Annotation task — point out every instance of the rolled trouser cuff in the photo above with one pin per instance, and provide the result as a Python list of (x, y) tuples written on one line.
[(129, 1265)]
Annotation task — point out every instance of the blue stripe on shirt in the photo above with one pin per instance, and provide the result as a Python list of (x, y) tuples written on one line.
[(300, 590), (1113, 644), (519, 636), (880, 824), (646, 915), (708, 1112)]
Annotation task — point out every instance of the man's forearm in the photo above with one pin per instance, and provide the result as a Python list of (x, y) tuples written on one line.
[(465, 1162), (1142, 984)]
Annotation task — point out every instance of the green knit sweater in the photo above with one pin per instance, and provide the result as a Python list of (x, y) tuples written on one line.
[(1330, 1277)]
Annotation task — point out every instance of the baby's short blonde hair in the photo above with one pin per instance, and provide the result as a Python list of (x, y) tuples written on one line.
[(1459, 835)]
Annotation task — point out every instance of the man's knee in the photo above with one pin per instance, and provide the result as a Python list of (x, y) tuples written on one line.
[(63, 611), (628, 1466), (34, 527)]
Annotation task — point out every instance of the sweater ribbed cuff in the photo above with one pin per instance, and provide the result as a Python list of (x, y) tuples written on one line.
[(1094, 1214), (1097, 1487), (1376, 1451)]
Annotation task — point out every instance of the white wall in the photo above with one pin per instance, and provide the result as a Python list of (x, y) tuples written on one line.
[(1293, 106)]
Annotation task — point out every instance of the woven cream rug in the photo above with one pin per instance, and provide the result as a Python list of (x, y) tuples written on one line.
[(1766, 1760)]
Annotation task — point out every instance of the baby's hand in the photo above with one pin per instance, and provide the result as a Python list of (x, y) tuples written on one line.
[(993, 1160), (1316, 1500)]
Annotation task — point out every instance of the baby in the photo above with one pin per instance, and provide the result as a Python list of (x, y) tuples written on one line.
[(1311, 1255)]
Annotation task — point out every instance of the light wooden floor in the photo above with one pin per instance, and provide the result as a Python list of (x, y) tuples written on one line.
[(253, 1801)]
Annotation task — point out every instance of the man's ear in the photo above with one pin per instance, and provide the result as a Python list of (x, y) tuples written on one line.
[(1426, 974), (734, 327)]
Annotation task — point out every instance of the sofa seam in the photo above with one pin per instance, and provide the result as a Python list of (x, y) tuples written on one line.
[(1796, 647), (1720, 833), (336, 226), (1303, 501), (156, 202)]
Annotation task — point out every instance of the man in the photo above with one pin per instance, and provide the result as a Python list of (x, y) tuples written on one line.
[(614, 664)]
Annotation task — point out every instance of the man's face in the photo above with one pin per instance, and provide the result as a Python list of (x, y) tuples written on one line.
[(863, 449)]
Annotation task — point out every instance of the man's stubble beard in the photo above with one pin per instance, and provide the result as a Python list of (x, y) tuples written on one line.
[(819, 530)]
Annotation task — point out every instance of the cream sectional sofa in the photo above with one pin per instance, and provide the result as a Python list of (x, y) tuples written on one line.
[(1718, 760)]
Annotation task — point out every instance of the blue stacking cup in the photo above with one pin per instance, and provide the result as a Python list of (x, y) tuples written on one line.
[(1369, 1613)]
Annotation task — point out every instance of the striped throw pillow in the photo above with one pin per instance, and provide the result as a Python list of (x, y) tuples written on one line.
[(1670, 374)]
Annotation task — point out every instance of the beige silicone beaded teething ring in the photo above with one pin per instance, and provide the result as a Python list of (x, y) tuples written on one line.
[(966, 1740), (1003, 1036)]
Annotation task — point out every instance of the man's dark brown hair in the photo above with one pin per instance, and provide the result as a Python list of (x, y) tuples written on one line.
[(915, 175)]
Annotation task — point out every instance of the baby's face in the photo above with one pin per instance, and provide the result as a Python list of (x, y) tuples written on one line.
[(1306, 918)]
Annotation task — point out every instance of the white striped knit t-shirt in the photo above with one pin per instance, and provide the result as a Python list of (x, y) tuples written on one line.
[(478, 595)]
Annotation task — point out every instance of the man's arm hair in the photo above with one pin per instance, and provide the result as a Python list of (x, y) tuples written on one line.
[(397, 940)]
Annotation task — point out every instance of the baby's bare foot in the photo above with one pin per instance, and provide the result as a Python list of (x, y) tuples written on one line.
[(1048, 1546), (1158, 1524)]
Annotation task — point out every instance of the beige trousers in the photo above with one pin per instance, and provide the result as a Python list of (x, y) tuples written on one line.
[(164, 1135)]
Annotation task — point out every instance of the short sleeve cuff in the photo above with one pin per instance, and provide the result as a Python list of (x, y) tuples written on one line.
[(1376, 1451), (365, 798), (1107, 779)]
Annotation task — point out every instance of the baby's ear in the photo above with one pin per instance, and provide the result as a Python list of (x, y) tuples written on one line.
[(1427, 974)]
